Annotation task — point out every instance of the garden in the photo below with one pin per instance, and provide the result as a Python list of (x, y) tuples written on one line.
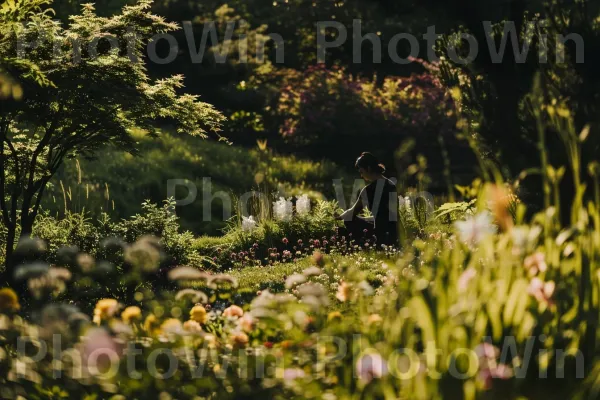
[(172, 216)]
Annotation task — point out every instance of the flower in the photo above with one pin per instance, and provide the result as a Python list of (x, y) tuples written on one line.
[(343, 293), (198, 314), (473, 230), (542, 291), (500, 202), (374, 319), (183, 273), (535, 263), (247, 322), (105, 308), (131, 313), (9, 301), (303, 205), (151, 325), (318, 258), (240, 339), (144, 254), (172, 325), (290, 374), (192, 326), (465, 278), (370, 366), (283, 209), (334, 316), (233, 311), (366, 288), (97, 341), (285, 241), (312, 271), (248, 224), (293, 280)]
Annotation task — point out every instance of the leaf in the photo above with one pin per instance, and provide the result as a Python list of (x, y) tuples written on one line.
[(516, 301)]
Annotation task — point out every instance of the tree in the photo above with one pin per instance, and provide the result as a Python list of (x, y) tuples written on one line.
[(84, 87)]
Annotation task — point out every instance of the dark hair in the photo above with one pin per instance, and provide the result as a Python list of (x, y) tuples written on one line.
[(369, 162)]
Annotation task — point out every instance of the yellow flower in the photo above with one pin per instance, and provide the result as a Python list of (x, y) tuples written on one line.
[(9, 301), (240, 339), (105, 308), (172, 325), (374, 319), (192, 326), (198, 314), (233, 311), (334, 316), (151, 324), (130, 314)]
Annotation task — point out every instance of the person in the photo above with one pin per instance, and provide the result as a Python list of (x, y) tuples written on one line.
[(380, 197)]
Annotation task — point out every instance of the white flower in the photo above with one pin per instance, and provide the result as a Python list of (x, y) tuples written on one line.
[(370, 366), (248, 224), (303, 205), (293, 280), (474, 229), (283, 209)]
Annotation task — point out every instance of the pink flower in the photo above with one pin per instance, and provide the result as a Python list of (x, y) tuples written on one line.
[(535, 263), (465, 278), (542, 291), (370, 366)]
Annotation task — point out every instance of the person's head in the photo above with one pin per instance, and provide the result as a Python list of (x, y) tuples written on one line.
[(369, 167)]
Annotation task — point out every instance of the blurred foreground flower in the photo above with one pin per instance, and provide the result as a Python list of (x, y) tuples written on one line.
[(535, 263), (370, 366), (105, 309), (542, 291), (473, 230), (9, 301), (198, 314), (131, 314)]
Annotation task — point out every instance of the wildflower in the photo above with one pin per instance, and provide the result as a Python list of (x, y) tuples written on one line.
[(343, 293), (151, 325), (370, 366), (172, 326), (293, 280), (318, 258), (99, 341), (130, 314), (290, 374), (535, 263), (247, 322), (192, 326), (248, 224), (196, 296), (465, 278), (143, 254), (105, 309), (312, 271), (366, 288), (233, 311), (198, 314), (240, 339), (283, 209), (9, 301), (59, 273), (500, 201), (475, 229), (334, 316), (303, 205), (374, 319), (489, 369), (285, 241), (542, 291)]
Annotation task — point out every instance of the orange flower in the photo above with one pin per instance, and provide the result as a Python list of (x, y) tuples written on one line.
[(233, 311), (500, 202), (9, 301)]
